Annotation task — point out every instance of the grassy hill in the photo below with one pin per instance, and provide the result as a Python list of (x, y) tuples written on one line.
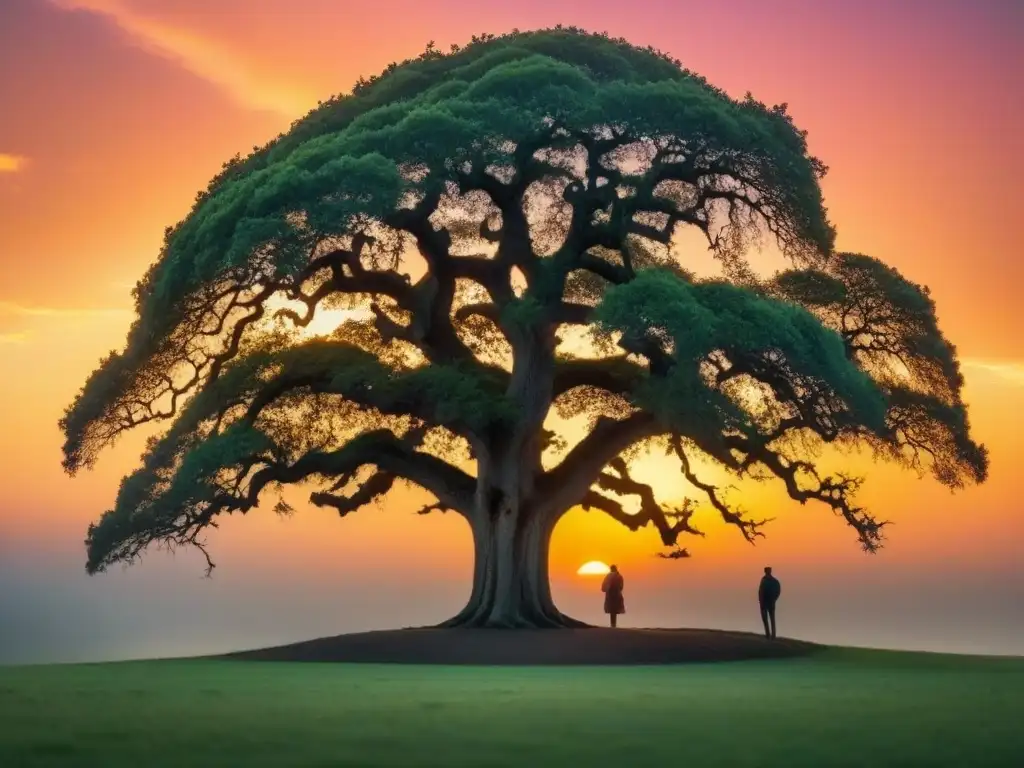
[(838, 707)]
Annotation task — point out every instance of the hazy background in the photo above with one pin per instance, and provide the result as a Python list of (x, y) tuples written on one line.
[(114, 113)]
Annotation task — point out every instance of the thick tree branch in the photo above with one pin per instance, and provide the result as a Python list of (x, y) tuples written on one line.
[(377, 485), (487, 310), (380, 448), (563, 486), (617, 375), (570, 313), (435, 292), (814, 405), (835, 491), (619, 482), (379, 390), (566, 313), (613, 273)]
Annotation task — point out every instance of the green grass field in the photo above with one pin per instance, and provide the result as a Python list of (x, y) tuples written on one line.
[(838, 708)]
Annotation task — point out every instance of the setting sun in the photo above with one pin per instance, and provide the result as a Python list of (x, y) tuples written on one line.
[(593, 568)]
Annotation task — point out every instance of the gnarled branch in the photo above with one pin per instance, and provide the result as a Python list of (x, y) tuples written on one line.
[(835, 491), (620, 482), (377, 485), (566, 484), (393, 458), (751, 529), (617, 375)]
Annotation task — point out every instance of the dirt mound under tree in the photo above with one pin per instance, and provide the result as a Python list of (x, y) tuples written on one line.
[(534, 647)]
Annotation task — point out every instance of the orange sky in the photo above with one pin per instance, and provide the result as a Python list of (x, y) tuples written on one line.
[(116, 112)]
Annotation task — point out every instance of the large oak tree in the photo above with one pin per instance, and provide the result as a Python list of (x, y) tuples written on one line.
[(503, 221)]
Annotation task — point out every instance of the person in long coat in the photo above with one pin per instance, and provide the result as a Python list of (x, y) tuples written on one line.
[(768, 593), (612, 587)]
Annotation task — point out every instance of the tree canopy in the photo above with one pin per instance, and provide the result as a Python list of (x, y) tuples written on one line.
[(477, 211)]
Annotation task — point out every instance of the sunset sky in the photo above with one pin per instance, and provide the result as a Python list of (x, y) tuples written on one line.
[(114, 113)]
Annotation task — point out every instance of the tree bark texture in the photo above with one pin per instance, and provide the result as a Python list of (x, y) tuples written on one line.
[(510, 573), (511, 531)]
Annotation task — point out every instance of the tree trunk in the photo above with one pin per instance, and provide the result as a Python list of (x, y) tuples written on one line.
[(510, 538), (510, 575)]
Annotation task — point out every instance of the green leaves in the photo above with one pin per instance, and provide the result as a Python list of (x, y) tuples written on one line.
[(889, 328), (811, 287), (690, 321), (342, 159)]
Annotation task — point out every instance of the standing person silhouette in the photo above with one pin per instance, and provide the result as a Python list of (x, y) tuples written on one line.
[(767, 595), (612, 587)]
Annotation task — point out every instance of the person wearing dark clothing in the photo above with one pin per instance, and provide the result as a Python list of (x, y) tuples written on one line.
[(767, 595), (612, 587)]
